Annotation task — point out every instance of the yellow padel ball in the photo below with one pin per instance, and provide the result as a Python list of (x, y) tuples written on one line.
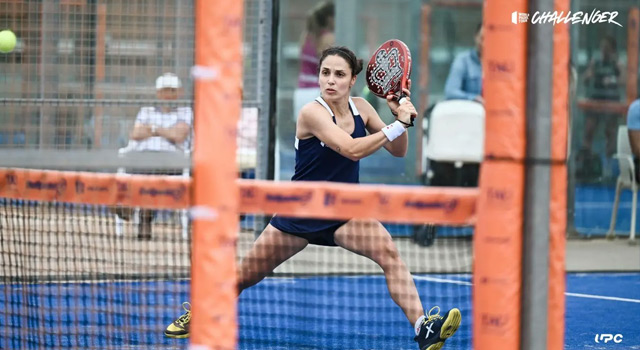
[(7, 41)]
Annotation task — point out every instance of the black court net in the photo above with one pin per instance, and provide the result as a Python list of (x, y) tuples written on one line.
[(71, 281)]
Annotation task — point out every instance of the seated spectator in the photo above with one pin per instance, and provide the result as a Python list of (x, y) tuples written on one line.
[(633, 124), (603, 78), (463, 83), (160, 129), (165, 128), (465, 77)]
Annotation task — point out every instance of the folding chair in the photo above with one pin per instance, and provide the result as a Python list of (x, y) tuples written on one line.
[(455, 135), (184, 216), (456, 132), (626, 179)]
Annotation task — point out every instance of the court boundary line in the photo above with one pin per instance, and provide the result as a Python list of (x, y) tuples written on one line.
[(602, 297), (290, 279), (577, 295)]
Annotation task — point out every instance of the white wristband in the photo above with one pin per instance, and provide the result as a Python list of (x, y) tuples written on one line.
[(393, 130)]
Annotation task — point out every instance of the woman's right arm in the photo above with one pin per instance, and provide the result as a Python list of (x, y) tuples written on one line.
[(315, 121)]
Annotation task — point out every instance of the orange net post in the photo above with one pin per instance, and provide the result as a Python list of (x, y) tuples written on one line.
[(100, 51), (498, 236), (633, 38), (218, 74), (423, 103), (558, 187)]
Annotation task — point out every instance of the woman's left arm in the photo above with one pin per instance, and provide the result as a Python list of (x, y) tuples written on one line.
[(374, 124)]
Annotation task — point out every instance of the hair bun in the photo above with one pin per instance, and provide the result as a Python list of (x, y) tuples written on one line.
[(358, 67)]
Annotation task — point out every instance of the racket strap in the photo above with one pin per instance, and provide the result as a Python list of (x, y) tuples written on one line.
[(408, 125)]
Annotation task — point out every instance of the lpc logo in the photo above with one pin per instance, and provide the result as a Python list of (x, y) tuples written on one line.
[(605, 338)]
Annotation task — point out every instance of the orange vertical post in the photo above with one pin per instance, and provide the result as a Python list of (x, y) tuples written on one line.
[(632, 54), (497, 268), (218, 77), (558, 187), (101, 47), (425, 46)]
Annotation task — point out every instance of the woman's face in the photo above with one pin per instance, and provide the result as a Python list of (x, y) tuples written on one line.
[(335, 78)]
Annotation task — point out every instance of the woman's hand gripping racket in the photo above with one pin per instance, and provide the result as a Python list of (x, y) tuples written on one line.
[(389, 70)]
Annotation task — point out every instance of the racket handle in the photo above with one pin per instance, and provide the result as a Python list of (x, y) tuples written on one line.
[(402, 100)]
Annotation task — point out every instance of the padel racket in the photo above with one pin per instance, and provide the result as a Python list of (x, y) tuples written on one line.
[(389, 69)]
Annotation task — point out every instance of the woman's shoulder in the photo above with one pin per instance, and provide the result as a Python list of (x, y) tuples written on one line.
[(311, 109), (363, 105), (312, 117)]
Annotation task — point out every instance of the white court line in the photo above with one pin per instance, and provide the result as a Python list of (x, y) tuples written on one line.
[(577, 295), (602, 297), (443, 280), (280, 280)]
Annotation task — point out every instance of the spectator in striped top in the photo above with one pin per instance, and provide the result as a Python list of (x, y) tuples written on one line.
[(317, 37)]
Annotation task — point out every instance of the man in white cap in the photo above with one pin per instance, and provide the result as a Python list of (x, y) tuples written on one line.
[(163, 128), (160, 129)]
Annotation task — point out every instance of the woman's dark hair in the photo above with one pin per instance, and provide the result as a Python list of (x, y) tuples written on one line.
[(613, 43), (348, 55), (318, 18)]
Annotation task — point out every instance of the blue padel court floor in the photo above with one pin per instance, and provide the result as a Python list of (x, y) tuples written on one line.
[(353, 312)]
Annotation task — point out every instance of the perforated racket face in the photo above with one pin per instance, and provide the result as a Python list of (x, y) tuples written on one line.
[(389, 68)]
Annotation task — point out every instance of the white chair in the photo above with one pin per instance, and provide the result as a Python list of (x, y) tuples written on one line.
[(626, 180), (247, 139), (184, 216), (456, 132)]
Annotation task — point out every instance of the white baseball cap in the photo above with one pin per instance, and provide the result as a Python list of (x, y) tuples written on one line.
[(168, 80)]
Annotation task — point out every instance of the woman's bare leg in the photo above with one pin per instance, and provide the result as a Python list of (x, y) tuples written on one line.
[(272, 248), (370, 239)]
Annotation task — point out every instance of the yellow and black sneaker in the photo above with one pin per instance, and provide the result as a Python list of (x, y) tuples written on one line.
[(435, 329), (179, 328)]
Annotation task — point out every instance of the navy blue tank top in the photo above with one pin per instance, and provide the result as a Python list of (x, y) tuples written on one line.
[(317, 162)]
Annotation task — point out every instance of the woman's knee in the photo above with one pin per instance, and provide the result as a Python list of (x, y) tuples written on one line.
[(387, 254), (380, 237)]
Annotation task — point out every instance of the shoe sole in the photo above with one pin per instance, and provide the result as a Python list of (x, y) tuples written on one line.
[(176, 336), (436, 346), (451, 324)]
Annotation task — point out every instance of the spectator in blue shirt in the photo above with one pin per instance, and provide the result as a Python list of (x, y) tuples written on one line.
[(465, 77)]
